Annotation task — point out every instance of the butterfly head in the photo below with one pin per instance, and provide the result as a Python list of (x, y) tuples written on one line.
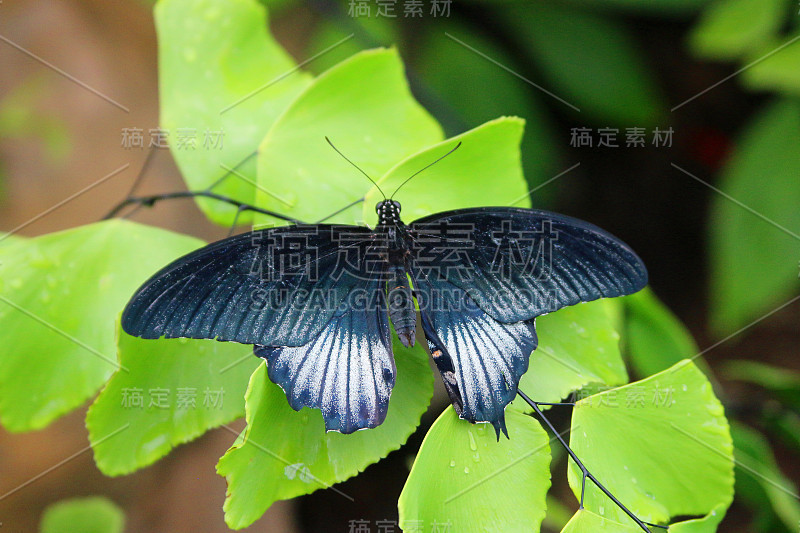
[(388, 212)]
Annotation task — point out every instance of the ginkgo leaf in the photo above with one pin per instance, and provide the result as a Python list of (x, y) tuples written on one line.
[(662, 446), (59, 296), (174, 391), (467, 480), (578, 346), (585, 521), (460, 179), (223, 80), (364, 106)]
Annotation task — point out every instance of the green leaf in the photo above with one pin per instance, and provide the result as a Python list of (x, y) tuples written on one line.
[(759, 480), (220, 71), (585, 521), (365, 107), (9, 239), (283, 453), (602, 73), (655, 339), (330, 34), (784, 381), (578, 345), (729, 29), (706, 524), (59, 296), (459, 180), (660, 8), (662, 446), (754, 261), (465, 480), (472, 90), (175, 390), (83, 515), (778, 72)]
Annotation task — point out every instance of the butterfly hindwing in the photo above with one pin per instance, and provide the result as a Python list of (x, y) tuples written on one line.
[(278, 286), (347, 371), (481, 360), (519, 263)]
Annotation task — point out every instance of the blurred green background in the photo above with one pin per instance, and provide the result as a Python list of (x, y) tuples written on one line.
[(688, 116)]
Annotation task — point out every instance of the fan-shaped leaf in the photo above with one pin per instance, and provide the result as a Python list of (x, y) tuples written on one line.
[(661, 445), (460, 179), (223, 80), (174, 391), (59, 294), (365, 107), (578, 345), (466, 480)]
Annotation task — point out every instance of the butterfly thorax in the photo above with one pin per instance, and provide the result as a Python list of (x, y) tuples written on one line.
[(393, 233)]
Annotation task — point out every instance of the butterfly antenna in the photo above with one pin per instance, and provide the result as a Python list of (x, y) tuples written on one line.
[(585, 471), (357, 167), (424, 168)]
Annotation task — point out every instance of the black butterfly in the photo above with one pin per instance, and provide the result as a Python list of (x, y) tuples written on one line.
[(316, 301)]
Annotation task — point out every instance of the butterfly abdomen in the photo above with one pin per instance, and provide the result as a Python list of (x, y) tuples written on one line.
[(401, 305)]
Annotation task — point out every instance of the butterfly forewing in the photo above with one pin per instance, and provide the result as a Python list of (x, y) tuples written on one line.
[(518, 264), (278, 286)]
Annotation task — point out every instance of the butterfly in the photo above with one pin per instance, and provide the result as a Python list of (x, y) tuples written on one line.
[(318, 302)]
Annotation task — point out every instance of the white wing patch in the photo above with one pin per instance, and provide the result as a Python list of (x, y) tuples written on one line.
[(347, 371), (486, 358)]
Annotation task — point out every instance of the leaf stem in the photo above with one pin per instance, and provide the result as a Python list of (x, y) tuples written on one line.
[(584, 470), (149, 201)]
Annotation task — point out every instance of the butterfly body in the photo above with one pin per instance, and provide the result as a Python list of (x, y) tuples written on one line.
[(397, 254), (316, 301)]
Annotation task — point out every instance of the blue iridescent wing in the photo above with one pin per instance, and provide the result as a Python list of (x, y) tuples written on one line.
[(483, 275), (518, 264), (481, 360), (278, 286), (311, 299), (347, 371)]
